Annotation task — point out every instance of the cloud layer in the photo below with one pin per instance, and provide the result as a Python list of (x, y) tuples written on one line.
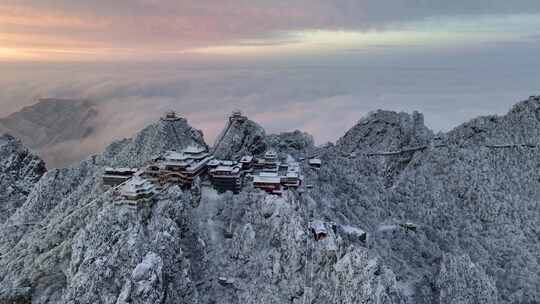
[(324, 97)]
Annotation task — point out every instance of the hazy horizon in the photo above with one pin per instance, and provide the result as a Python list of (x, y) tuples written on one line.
[(317, 66)]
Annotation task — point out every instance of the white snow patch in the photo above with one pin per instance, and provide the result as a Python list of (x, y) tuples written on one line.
[(143, 271), (371, 263), (383, 228)]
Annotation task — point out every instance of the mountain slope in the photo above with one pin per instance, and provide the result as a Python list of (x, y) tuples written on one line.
[(157, 137), (468, 202), (386, 130), (240, 137), (521, 125), (19, 170), (449, 224), (69, 202)]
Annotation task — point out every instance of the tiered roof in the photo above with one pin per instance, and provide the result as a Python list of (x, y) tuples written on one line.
[(267, 178), (315, 161), (137, 186)]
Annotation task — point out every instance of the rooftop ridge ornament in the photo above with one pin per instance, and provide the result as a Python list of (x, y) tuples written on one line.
[(171, 116), (236, 115)]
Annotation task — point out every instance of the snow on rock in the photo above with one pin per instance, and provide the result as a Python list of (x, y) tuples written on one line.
[(19, 171), (291, 142), (147, 280), (476, 208), (385, 131), (241, 137), (521, 125), (467, 199), (461, 281), (150, 142), (359, 279)]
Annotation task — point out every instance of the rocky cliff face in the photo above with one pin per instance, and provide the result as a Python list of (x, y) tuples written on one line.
[(151, 141), (457, 224), (240, 138), (386, 130), (19, 171)]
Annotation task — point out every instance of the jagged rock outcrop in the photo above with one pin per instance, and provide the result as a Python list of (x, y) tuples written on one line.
[(19, 171), (240, 137), (151, 141), (457, 224), (385, 131)]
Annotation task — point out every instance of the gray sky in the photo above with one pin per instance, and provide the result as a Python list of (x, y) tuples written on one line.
[(312, 65)]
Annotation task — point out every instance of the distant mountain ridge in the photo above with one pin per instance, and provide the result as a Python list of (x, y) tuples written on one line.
[(51, 122)]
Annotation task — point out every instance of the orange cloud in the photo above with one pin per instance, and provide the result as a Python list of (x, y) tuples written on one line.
[(28, 17)]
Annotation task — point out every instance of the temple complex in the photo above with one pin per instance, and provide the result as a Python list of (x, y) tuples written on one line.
[(172, 167)]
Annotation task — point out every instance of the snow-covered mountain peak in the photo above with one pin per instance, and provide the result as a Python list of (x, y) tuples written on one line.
[(239, 136), (164, 134), (386, 130)]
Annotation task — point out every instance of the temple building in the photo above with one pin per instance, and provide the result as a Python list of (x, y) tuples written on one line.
[(269, 163), (151, 172), (171, 116), (237, 116), (181, 167), (116, 176), (318, 228), (292, 177), (315, 163), (226, 176), (138, 188), (270, 156), (246, 161), (268, 181)]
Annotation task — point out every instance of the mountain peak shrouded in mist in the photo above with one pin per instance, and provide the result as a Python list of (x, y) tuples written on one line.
[(456, 222), (45, 122), (53, 122)]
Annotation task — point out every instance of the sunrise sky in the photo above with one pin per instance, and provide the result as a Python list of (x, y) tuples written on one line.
[(315, 65), (66, 30)]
